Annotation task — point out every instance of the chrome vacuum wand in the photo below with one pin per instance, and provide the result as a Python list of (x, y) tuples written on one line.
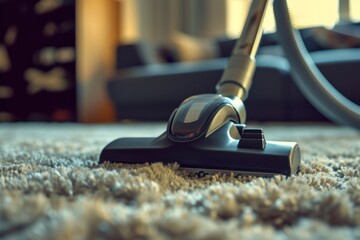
[(237, 77), (207, 134)]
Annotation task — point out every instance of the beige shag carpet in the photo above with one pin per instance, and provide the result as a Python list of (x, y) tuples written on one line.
[(52, 187)]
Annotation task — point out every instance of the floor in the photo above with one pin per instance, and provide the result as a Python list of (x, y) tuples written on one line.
[(52, 187)]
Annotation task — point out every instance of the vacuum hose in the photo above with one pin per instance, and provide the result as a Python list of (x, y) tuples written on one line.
[(311, 82)]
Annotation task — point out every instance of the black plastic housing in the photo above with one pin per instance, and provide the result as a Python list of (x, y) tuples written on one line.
[(216, 153)]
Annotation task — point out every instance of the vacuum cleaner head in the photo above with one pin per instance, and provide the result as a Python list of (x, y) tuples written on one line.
[(205, 135)]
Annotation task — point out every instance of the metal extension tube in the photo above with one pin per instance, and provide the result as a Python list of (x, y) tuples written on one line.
[(237, 77)]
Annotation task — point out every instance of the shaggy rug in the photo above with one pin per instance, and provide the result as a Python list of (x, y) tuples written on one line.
[(52, 187)]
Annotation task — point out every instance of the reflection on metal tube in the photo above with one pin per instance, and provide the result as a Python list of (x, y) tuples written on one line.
[(237, 77), (249, 40)]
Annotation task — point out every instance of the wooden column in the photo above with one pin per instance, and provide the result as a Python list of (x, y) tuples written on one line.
[(97, 37)]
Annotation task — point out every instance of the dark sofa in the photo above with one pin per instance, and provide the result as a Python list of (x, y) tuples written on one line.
[(152, 92)]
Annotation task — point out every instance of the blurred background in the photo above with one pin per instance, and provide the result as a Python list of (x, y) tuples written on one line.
[(111, 60)]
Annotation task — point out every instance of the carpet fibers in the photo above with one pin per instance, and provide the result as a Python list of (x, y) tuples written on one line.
[(52, 187)]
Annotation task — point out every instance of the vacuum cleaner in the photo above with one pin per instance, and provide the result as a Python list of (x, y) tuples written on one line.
[(207, 133)]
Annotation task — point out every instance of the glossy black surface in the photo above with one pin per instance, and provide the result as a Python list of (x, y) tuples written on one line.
[(193, 118)]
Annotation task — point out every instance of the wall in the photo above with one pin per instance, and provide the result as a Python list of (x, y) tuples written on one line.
[(37, 60)]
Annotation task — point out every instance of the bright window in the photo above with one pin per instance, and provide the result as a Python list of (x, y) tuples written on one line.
[(305, 13), (355, 10)]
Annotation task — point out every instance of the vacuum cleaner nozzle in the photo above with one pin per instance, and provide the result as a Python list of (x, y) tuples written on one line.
[(205, 135), (219, 152)]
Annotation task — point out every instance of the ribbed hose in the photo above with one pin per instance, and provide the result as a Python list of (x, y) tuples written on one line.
[(311, 82)]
